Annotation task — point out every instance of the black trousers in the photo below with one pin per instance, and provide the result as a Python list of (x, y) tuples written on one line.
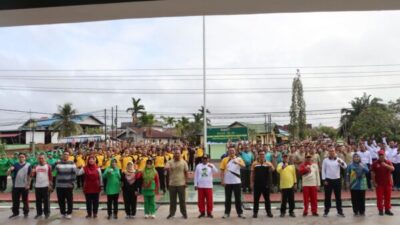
[(18, 193), (92, 203), (265, 192), (358, 201), (287, 197), (112, 204), (161, 176), (42, 201), (335, 186), (130, 202), (191, 164), (3, 183), (80, 180), (368, 175), (65, 195), (396, 175), (245, 177), (235, 189)]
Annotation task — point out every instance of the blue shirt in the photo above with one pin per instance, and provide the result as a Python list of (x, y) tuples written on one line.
[(247, 157)]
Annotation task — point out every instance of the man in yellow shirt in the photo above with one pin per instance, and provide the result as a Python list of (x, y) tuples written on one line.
[(79, 163), (199, 155), (288, 184), (159, 164)]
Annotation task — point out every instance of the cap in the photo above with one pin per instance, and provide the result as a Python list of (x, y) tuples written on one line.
[(381, 152)]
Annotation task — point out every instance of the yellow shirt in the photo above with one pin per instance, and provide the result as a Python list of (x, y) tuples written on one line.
[(100, 159), (71, 158), (169, 156), (199, 152), (225, 161), (159, 161), (107, 163), (142, 163), (287, 176), (185, 155), (125, 161), (135, 157), (118, 158), (80, 162)]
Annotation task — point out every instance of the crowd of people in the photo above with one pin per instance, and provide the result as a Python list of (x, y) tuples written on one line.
[(146, 169)]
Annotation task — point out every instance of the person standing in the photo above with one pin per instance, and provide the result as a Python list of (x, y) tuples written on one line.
[(66, 176), (4, 166), (248, 158), (261, 182), (332, 181), (177, 169), (203, 183), (287, 184), (43, 186), (21, 176), (159, 163), (92, 186), (366, 159), (130, 189), (381, 176), (309, 172), (356, 174), (113, 176), (150, 189), (230, 179)]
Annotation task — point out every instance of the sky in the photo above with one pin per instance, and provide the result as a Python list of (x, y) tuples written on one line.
[(98, 65)]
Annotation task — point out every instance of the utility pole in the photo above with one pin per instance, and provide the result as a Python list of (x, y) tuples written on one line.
[(105, 125), (116, 121), (204, 88), (112, 122)]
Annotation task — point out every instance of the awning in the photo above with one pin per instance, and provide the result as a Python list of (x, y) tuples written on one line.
[(8, 135)]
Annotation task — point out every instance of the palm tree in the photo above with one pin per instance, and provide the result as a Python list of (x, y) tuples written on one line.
[(358, 105), (182, 126), (66, 126), (135, 110), (201, 110), (169, 121), (147, 121)]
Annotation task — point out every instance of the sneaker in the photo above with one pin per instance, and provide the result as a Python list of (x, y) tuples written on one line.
[(62, 216), (115, 216), (201, 215), (356, 214), (282, 215), (305, 214), (362, 214), (269, 214), (13, 216), (94, 215), (255, 216), (225, 216), (153, 216), (46, 216), (37, 217), (169, 216), (389, 213), (381, 212), (341, 215), (185, 216), (88, 216), (109, 217), (242, 216), (210, 216), (68, 216), (325, 214), (147, 216), (25, 216), (127, 217), (315, 214), (292, 214)]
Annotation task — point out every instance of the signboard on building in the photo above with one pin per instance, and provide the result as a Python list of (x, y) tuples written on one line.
[(223, 135)]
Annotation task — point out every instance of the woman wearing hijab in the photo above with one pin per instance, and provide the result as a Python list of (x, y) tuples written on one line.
[(150, 189), (356, 175), (113, 176), (130, 189), (91, 186)]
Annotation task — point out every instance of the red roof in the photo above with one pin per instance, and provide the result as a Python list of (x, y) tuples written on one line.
[(8, 135)]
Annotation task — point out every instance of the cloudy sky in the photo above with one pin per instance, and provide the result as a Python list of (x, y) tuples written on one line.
[(251, 61)]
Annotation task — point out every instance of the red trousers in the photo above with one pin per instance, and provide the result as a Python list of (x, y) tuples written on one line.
[(383, 193), (310, 196), (205, 195)]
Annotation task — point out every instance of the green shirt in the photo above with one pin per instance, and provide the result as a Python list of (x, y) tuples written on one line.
[(4, 166), (52, 163), (113, 180)]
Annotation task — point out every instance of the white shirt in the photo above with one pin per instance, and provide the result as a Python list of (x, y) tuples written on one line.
[(365, 157), (390, 152), (312, 179), (396, 158), (229, 173), (373, 149), (331, 168), (43, 174), (203, 175)]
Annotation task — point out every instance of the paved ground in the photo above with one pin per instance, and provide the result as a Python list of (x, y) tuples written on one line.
[(371, 218)]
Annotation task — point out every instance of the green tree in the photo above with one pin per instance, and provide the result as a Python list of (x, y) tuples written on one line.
[(136, 110), (182, 127), (395, 106), (168, 121), (65, 125), (358, 105), (201, 111), (94, 130), (298, 123), (373, 121), (147, 121)]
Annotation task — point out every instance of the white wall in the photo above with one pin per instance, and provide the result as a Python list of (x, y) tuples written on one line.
[(39, 137), (54, 138)]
